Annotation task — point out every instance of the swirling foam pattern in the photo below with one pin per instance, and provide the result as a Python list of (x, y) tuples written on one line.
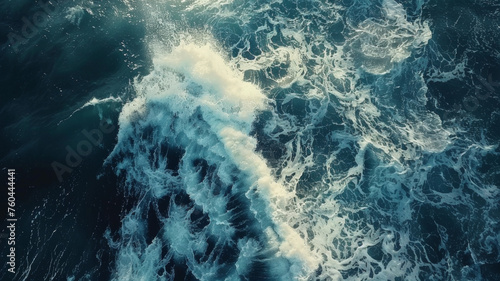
[(299, 140)]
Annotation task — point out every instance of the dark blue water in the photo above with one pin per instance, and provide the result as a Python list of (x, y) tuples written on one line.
[(252, 140)]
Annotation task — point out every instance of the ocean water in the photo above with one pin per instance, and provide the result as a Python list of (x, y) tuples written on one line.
[(251, 140)]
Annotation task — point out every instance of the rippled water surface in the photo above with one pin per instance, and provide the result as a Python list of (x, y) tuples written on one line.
[(252, 140)]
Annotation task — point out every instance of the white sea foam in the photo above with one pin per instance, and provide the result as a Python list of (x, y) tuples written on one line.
[(355, 149), (194, 100), (75, 14), (378, 44), (92, 102)]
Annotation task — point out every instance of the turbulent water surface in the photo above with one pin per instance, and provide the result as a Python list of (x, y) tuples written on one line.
[(252, 140)]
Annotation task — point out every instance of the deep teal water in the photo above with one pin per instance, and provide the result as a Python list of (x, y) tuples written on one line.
[(252, 140)]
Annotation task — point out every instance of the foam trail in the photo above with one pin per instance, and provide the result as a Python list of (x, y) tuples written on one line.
[(92, 102)]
